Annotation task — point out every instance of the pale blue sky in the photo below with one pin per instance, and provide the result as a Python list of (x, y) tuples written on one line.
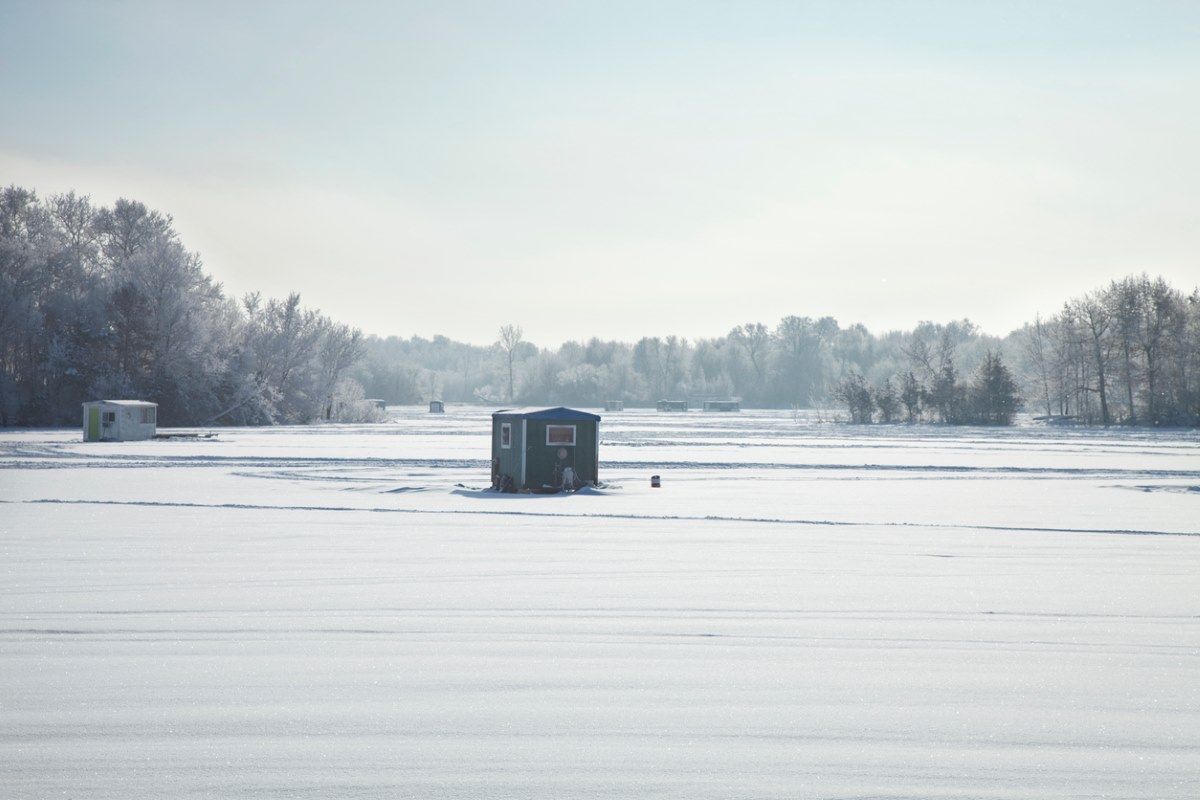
[(441, 167)]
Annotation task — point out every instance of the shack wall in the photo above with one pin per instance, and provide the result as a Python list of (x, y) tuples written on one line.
[(543, 467), (507, 460)]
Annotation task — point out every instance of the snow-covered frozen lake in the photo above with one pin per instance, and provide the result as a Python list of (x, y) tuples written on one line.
[(802, 610)]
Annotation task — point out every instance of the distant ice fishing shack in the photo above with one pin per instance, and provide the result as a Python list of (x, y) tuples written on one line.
[(544, 449), (119, 420)]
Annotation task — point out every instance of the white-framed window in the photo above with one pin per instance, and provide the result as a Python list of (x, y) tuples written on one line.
[(108, 417), (560, 435), (506, 435)]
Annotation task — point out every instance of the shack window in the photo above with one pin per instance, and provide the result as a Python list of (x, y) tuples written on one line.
[(108, 416), (560, 434), (148, 415), (506, 435)]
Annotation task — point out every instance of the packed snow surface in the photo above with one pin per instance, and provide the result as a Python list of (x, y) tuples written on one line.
[(803, 609)]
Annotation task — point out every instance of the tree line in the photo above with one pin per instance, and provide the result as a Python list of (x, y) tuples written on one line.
[(1139, 336), (801, 362), (1126, 353), (991, 397), (106, 302)]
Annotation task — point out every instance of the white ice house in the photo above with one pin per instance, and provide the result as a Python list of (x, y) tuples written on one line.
[(119, 420)]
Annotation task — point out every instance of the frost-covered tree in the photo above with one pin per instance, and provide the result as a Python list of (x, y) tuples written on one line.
[(754, 341), (661, 364), (858, 397), (801, 345), (1118, 354), (1040, 370), (1089, 320), (128, 228), (107, 302), (509, 342)]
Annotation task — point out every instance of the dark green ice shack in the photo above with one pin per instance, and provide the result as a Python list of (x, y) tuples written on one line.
[(544, 449)]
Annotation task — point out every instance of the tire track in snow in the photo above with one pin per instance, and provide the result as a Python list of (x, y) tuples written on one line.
[(243, 462), (602, 515)]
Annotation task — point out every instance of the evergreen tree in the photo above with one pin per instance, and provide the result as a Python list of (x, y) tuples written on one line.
[(887, 401), (911, 395), (994, 393)]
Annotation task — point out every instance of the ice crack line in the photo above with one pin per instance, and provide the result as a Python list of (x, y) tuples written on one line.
[(635, 517)]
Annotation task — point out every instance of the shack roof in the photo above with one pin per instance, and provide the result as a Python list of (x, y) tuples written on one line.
[(131, 403), (547, 413)]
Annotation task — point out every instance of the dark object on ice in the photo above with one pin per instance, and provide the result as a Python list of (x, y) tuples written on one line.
[(544, 449), (184, 436), (654, 482), (672, 405), (437, 407), (722, 405)]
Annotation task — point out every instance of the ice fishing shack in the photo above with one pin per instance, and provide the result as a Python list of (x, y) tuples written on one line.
[(119, 420), (544, 449)]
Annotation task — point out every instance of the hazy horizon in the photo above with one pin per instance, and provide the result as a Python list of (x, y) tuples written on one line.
[(424, 169)]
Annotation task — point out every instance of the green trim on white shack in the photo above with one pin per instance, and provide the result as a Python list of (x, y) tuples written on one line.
[(119, 420)]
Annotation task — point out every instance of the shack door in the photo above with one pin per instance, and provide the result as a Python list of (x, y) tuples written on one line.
[(93, 424)]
